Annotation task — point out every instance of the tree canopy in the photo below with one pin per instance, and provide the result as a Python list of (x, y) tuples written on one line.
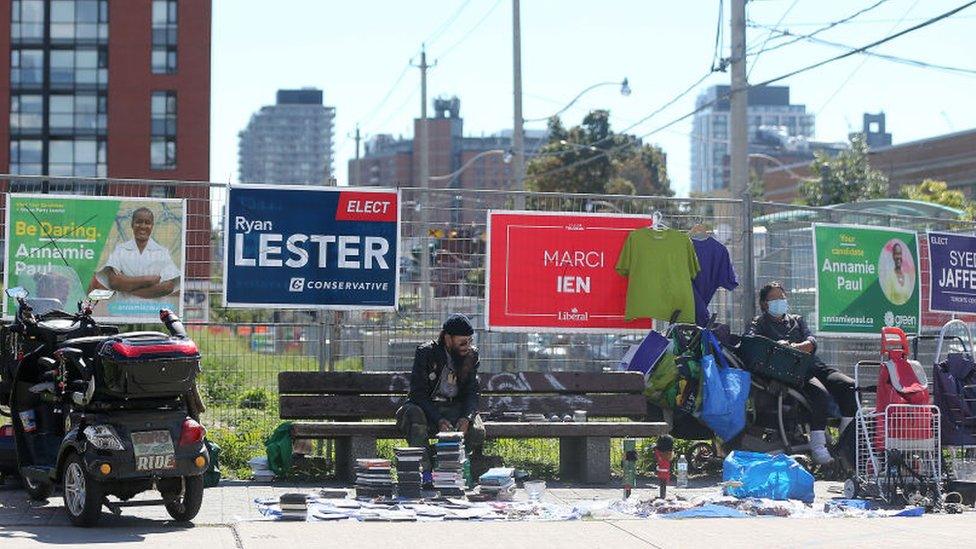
[(591, 158)]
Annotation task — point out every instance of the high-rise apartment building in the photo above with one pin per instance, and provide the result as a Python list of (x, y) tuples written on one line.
[(769, 113), (289, 142), (110, 88)]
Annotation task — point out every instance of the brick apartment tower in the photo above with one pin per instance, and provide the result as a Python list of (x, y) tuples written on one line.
[(110, 88)]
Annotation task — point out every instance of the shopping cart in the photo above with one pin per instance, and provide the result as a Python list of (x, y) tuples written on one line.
[(897, 453)]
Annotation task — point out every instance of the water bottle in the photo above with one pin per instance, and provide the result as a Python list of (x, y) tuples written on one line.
[(682, 471)]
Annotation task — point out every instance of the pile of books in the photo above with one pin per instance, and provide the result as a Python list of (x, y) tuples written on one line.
[(498, 480), (449, 472), (408, 472), (373, 479), (293, 506)]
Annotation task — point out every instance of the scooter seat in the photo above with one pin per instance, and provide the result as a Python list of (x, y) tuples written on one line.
[(59, 325)]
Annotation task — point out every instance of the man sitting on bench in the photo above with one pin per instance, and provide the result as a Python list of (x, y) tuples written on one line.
[(444, 390)]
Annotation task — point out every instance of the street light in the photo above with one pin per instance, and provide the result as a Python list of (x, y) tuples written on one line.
[(779, 163), (506, 158), (624, 91)]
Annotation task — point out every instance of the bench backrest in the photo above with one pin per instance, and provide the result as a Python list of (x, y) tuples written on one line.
[(378, 395)]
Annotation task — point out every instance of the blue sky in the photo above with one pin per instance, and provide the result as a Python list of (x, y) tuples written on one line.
[(356, 51)]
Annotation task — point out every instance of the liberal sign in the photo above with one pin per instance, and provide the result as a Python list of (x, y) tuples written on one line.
[(952, 275), (555, 272), (311, 248)]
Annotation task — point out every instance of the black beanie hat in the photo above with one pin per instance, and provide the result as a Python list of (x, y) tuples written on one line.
[(458, 325)]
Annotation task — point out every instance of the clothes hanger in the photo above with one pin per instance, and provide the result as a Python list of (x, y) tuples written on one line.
[(657, 221), (700, 231)]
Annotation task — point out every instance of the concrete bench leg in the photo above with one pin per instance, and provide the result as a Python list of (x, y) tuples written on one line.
[(347, 451), (585, 459)]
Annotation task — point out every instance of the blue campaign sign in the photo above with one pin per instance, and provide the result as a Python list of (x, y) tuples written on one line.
[(952, 273), (312, 248)]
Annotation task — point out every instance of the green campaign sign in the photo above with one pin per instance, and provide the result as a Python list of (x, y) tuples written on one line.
[(867, 279), (61, 247)]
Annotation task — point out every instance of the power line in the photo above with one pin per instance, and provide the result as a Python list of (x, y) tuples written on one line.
[(871, 21), (893, 58), (471, 31), (762, 48), (728, 94), (863, 62), (816, 32), (434, 36), (718, 63)]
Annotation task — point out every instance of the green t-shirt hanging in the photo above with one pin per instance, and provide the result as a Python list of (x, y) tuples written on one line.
[(660, 265)]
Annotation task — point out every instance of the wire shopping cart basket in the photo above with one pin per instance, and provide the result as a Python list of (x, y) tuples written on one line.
[(897, 455)]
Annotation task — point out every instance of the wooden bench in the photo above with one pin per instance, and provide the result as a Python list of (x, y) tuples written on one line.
[(341, 401)]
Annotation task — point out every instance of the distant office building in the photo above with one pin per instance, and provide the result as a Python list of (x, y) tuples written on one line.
[(774, 124), (391, 162), (289, 142), (105, 88)]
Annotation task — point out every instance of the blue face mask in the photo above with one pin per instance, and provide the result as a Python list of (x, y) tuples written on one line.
[(778, 307)]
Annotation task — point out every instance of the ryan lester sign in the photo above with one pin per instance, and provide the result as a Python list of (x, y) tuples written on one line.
[(312, 248)]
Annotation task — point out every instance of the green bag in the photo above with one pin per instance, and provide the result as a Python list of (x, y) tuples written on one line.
[(662, 380), (279, 449), (211, 477)]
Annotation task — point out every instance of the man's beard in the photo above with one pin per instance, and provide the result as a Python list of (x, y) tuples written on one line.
[(455, 356)]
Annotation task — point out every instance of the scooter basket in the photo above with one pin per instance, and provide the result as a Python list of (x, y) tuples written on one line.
[(146, 367), (763, 357)]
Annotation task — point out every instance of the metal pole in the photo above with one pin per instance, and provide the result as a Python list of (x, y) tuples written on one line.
[(424, 169), (358, 168), (518, 152), (518, 142), (739, 150)]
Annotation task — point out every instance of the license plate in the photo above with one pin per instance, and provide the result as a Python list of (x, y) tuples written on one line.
[(153, 450)]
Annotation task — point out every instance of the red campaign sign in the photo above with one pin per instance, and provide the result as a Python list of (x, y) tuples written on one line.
[(556, 272)]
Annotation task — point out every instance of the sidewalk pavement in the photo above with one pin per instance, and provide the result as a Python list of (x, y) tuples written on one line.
[(226, 521)]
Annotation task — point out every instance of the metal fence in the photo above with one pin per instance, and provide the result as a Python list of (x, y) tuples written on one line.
[(245, 349)]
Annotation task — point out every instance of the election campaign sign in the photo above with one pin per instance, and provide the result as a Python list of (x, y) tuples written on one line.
[(61, 247), (952, 273), (867, 279), (312, 248), (555, 272)]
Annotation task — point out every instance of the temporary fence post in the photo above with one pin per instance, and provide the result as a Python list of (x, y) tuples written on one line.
[(335, 338), (749, 261)]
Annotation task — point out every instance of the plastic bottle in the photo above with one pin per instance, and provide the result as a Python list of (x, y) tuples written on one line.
[(682, 472)]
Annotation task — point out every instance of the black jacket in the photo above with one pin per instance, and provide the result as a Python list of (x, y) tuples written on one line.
[(791, 328), (428, 364)]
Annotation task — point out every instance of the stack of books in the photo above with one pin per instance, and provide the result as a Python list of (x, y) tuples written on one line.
[(449, 472), (497, 480), (408, 472), (293, 506), (373, 479)]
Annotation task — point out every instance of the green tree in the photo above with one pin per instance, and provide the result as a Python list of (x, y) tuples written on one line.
[(591, 158), (848, 177), (938, 192), (646, 168)]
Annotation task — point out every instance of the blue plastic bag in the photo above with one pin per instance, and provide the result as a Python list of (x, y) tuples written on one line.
[(725, 391), (777, 477)]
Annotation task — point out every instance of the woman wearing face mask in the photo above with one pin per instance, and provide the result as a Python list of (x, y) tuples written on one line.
[(790, 330)]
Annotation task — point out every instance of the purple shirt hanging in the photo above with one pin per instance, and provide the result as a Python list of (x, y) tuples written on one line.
[(716, 272)]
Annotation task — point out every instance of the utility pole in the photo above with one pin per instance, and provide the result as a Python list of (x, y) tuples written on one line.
[(357, 138), (518, 143), (424, 169), (739, 150), (518, 154)]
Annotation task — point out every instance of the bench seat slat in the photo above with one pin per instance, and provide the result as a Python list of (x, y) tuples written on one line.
[(387, 430), (384, 407)]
